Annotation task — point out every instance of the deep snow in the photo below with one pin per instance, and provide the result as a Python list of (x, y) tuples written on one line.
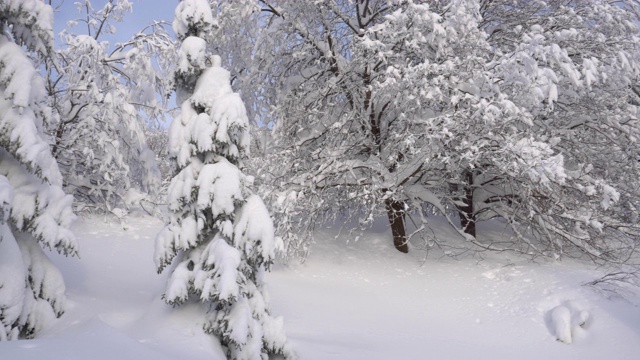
[(349, 300)]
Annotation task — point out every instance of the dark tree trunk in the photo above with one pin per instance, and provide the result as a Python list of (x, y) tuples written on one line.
[(396, 213), (58, 140), (395, 209), (467, 216)]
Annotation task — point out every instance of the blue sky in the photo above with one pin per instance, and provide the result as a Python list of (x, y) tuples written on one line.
[(144, 12)]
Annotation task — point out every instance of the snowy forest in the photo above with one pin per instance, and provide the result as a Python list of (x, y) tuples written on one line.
[(337, 179)]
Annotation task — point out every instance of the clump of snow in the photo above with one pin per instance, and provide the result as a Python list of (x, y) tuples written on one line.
[(254, 231), (273, 328), (179, 146), (224, 261), (45, 209), (582, 318), (561, 323), (219, 187), (192, 54), (177, 290), (31, 22), (204, 94), (190, 12), (566, 319), (239, 320), (12, 283), (6, 198), (224, 127), (537, 160), (19, 133), (609, 196)]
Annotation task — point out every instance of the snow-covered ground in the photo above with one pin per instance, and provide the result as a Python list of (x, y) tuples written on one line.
[(355, 300)]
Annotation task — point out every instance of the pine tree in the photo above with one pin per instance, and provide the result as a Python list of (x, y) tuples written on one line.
[(220, 237), (34, 211)]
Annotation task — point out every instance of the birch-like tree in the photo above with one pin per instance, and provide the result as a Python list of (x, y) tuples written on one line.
[(477, 109), (102, 96), (573, 70)]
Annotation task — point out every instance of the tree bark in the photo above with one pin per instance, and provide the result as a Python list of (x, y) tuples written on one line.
[(467, 216), (396, 214)]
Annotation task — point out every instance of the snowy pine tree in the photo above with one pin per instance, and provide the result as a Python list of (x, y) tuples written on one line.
[(220, 237), (34, 211)]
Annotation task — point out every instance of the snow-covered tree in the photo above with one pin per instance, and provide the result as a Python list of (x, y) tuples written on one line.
[(482, 109), (220, 239), (157, 136), (572, 70), (34, 210), (366, 88), (102, 96)]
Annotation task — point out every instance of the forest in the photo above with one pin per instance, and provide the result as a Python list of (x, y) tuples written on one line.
[(268, 139)]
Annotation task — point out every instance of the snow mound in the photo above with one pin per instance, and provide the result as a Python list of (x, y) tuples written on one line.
[(566, 319), (561, 323)]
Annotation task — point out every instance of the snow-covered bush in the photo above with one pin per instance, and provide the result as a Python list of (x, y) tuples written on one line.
[(102, 96), (220, 238), (34, 211)]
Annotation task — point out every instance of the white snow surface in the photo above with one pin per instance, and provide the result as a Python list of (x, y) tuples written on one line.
[(349, 300)]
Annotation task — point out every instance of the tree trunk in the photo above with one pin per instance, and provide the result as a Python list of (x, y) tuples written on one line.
[(467, 216), (58, 140), (396, 213)]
